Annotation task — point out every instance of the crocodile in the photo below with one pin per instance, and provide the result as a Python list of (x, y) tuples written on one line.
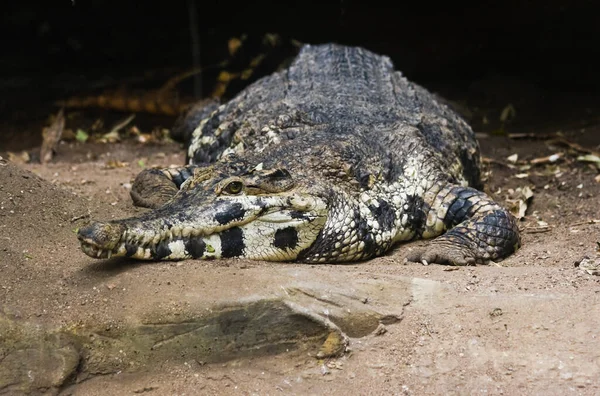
[(336, 158)]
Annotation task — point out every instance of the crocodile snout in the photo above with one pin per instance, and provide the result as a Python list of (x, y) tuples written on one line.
[(99, 239)]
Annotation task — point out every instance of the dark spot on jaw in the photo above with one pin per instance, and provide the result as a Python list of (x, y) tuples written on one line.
[(195, 247), (161, 250), (232, 212), (130, 249), (286, 238), (232, 242)]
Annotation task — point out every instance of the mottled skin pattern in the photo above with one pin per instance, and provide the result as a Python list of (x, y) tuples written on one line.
[(333, 160)]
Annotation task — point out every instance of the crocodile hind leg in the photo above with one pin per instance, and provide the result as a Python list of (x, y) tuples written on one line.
[(152, 188), (479, 230)]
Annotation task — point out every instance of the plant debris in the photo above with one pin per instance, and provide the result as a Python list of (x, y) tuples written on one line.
[(81, 136), (113, 136), (112, 164), (21, 158), (548, 165), (513, 158), (518, 201), (592, 158), (541, 226), (589, 265), (592, 221), (508, 113)]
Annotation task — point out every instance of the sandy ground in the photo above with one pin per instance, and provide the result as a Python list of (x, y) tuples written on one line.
[(528, 325)]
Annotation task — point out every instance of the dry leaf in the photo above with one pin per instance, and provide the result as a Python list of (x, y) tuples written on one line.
[(590, 158), (519, 208), (518, 201), (526, 192), (589, 265)]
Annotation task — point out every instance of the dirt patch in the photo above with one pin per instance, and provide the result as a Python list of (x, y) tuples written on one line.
[(527, 325)]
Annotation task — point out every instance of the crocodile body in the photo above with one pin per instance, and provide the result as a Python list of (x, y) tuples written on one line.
[(335, 159)]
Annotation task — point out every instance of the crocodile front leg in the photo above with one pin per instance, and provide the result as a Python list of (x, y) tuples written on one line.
[(152, 188), (479, 230)]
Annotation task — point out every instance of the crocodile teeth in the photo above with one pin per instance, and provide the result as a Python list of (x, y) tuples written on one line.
[(109, 254), (99, 253)]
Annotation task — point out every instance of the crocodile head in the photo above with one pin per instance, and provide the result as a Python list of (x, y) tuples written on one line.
[(256, 213)]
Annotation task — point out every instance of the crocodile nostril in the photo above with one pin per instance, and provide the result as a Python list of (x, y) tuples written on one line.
[(102, 235)]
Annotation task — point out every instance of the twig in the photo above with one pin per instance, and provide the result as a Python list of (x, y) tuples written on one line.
[(548, 159), (531, 136), (592, 221), (427, 328), (74, 219), (574, 146), (553, 139), (536, 230), (487, 160), (122, 124)]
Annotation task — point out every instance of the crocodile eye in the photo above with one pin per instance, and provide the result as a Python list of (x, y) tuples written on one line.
[(234, 187)]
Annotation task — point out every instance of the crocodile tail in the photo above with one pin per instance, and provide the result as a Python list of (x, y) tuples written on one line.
[(125, 102)]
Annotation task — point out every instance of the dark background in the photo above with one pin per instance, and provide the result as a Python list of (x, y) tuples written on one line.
[(538, 53)]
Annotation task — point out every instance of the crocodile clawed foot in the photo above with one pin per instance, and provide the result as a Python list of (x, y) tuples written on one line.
[(444, 253), (454, 248), (490, 234)]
